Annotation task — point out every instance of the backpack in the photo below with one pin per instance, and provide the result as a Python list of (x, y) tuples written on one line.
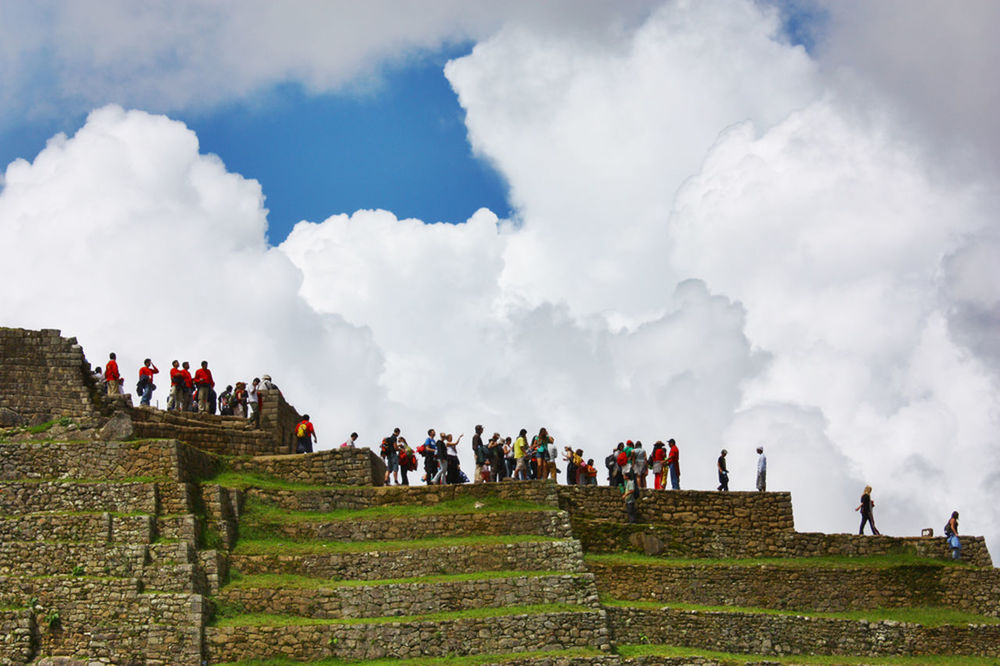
[(609, 462), (947, 529), (622, 458), (301, 430), (411, 461), (386, 450)]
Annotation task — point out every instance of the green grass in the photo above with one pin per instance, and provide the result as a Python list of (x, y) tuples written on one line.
[(121, 481), (827, 561), (265, 619), (288, 547), (926, 616), (672, 651), (422, 661), (293, 581), (260, 510), (244, 480)]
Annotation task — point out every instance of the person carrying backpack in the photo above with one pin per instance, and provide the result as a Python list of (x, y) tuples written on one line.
[(951, 532), (305, 435)]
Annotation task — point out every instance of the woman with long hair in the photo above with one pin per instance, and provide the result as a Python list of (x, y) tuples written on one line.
[(866, 511)]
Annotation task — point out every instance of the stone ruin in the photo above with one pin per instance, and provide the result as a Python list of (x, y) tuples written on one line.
[(135, 536)]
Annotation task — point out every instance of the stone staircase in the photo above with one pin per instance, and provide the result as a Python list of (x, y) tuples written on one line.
[(209, 432), (744, 590), (404, 573), (84, 568)]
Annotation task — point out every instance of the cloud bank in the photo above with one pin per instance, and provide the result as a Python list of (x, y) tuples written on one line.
[(718, 237)]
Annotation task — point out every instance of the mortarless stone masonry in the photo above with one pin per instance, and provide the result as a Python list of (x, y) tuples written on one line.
[(120, 551)]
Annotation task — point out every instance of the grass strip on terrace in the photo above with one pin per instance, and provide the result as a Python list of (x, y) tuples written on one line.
[(262, 511), (930, 616), (124, 481), (289, 547), (269, 620), (740, 658), (471, 659), (824, 561), (294, 581), (244, 480)]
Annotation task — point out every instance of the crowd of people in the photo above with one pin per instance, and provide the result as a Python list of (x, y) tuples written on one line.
[(189, 393), (497, 459)]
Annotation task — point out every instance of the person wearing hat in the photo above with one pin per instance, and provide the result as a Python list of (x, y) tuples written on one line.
[(761, 470), (723, 472)]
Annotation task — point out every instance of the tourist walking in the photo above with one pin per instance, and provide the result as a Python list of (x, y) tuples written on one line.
[(723, 472), (305, 434), (951, 533), (866, 511)]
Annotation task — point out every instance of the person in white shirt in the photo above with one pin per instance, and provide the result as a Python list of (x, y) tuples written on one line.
[(761, 469)]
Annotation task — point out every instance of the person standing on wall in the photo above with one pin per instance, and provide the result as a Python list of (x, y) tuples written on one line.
[(175, 401), (203, 380), (951, 532), (111, 375), (145, 387), (252, 406), (674, 465), (866, 511), (723, 472), (188, 386), (305, 434), (630, 495), (761, 470)]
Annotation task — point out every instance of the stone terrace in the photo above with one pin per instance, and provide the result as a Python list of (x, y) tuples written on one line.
[(185, 539)]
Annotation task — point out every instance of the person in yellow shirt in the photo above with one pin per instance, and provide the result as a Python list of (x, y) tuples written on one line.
[(520, 455)]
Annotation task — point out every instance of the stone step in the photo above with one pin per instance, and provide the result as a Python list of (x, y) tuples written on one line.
[(226, 441), (780, 634), (409, 638), (20, 497), (799, 585), (143, 414), (435, 595), (611, 536), (684, 508), (78, 527), (38, 558), (365, 497), (88, 460), (541, 523), (417, 560)]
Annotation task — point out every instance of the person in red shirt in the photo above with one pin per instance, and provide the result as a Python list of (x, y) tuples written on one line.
[(176, 398), (188, 387), (111, 375), (203, 380), (305, 435), (657, 458), (145, 387), (674, 465)]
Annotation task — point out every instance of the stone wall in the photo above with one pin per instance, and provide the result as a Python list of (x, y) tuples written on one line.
[(605, 536), (79, 527), (332, 499), (803, 587), (279, 419), (106, 461), (685, 508), (406, 563), (111, 619), (542, 523), (20, 636), (44, 376), (409, 639), (20, 497), (354, 601), (758, 633), (336, 467)]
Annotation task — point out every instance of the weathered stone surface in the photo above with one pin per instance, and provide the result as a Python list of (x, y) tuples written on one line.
[(9, 418), (117, 429)]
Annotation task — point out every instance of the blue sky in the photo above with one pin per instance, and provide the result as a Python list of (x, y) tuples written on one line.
[(399, 144)]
